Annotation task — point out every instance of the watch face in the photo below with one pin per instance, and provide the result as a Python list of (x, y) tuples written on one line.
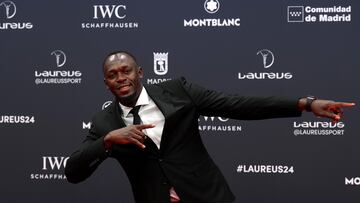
[(311, 97), (309, 100)]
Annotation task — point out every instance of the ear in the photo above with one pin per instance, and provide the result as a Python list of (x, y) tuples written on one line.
[(140, 72), (107, 87)]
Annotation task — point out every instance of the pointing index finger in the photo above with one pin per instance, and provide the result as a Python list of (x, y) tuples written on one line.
[(144, 126), (344, 104)]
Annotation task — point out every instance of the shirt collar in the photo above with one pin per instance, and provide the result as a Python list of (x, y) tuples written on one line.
[(142, 100)]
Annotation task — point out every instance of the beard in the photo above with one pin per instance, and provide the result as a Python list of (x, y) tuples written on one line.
[(129, 99)]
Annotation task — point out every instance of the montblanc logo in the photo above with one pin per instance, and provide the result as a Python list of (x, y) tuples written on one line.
[(211, 7), (60, 57), (58, 76), (352, 181), (104, 16), (268, 59), (309, 14), (52, 168), (9, 10)]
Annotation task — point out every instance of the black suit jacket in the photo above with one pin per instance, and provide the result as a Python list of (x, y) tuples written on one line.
[(182, 160)]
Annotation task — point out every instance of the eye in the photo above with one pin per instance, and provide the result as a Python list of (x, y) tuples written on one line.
[(111, 76), (127, 71)]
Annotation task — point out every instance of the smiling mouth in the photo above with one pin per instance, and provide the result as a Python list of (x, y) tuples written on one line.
[(122, 86)]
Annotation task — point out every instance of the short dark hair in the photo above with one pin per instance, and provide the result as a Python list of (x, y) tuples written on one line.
[(120, 52)]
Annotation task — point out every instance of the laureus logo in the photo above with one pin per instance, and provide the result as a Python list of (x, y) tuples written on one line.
[(58, 76), (267, 61), (267, 56), (60, 57), (106, 104), (211, 6), (10, 9)]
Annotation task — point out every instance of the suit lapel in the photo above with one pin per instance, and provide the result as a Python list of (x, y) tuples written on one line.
[(163, 101), (115, 113)]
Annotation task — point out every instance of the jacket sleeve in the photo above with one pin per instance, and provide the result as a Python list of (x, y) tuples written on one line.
[(84, 161), (213, 103)]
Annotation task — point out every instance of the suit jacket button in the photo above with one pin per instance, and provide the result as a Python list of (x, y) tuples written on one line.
[(160, 160)]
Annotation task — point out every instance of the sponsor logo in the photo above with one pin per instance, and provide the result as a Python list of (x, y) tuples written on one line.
[(211, 7), (87, 125), (266, 54), (318, 128), (17, 119), (295, 14), (58, 76), (160, 63), (109, 11), (106, 104), (267, 61), (309, 14), (217, 124), (52, 168), (352, 181), (109, 17), (260, 169), (156, 80), (8, 10), (160, 67), (60, 57)]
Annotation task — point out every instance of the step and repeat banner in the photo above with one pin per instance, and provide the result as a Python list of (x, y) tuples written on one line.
[(51, 82)]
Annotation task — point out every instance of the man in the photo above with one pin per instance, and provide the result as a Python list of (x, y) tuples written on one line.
[(164, 157)]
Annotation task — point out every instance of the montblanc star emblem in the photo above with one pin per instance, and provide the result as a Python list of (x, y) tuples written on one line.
[(211, 6)]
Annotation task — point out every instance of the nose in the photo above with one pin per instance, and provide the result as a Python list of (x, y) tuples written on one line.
[(120, 78)]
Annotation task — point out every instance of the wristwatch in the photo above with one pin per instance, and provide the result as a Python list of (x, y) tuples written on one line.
[(309, 101)]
